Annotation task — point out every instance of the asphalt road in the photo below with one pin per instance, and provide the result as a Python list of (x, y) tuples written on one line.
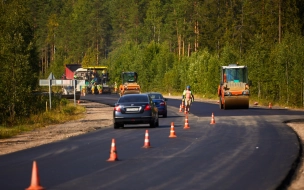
[(245, 149)]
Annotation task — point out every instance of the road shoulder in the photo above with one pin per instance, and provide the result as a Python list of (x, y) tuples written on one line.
[(97, 117)]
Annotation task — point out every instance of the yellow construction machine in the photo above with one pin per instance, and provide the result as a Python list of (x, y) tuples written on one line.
[(233, 90), (95, 76), (129, 83)]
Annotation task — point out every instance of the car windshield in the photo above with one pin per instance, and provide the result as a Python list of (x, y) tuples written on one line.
[(133, 98), (129, 77), (235, 74), (156, 96)]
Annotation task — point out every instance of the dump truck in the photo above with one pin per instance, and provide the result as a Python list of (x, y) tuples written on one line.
[(129, 83), (233, 90)]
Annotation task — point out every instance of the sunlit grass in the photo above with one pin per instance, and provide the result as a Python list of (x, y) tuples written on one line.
[(60, 115)]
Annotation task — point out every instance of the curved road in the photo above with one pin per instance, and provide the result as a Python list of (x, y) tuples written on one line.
[(245, 149)]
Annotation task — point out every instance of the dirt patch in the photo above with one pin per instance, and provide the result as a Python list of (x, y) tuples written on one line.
[(97, 116)]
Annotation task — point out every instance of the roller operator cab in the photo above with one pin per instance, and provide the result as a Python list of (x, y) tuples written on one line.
[(233, 90), (129, 83)]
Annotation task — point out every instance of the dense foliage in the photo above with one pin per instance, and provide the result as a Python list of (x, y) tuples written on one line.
[(169, 43)]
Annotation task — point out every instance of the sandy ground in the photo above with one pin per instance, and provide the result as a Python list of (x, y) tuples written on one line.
[(298, 181), (97, 117)]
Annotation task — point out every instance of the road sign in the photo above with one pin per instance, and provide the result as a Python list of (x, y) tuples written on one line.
[(46, 82), (62, 82), (51, 81), (51, 76)]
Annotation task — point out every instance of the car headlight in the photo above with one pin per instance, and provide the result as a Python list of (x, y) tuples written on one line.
[(227, 93)]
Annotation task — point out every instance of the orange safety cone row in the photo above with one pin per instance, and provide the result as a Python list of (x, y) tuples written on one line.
[(270, 105), (212, 119), (113, 152), (186, 123), (35, 182), (147, 140), (172, 132)]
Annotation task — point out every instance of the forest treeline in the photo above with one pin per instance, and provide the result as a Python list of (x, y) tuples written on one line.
[(169, 43)]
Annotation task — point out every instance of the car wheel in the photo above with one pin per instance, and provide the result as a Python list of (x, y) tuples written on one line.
[(152, 123), (165, 115), (117, 125), (157, 122)]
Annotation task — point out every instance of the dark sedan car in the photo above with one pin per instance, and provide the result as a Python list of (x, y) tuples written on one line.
[(160, 102), (135, 109)]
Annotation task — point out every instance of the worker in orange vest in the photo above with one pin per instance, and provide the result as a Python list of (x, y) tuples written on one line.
[(188, 98), (115, 87)]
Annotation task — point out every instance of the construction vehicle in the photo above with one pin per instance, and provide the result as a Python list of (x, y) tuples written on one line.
[(94, 76), (233, 90), (129, 83), (68, 91), (97, 76)]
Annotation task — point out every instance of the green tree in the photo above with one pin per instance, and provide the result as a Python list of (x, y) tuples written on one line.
[(18, 61)]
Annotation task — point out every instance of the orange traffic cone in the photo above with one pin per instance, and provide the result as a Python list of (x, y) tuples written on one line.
[(113, 153), (270, 105), (180, 108), (212, 119), (172, 132), (147, 142), (186, 123), (35, 182)]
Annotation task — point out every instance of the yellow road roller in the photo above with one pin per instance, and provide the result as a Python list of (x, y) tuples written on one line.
[(129, 83), (233, 90)]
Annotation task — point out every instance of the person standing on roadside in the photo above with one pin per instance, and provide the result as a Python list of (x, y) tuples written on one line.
[(115, 87), (188, 98)]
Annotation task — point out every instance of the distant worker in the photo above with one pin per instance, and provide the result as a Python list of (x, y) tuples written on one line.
[(99, 87), (115, 87), (188, 98), (95, 76), (83, 90), (93, 88), (92, 82), (104, 76)]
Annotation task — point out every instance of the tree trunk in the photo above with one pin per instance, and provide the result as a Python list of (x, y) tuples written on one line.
[(287, 83), (280, 22)]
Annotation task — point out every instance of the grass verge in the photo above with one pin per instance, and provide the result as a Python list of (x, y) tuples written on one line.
[(62, 114)]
